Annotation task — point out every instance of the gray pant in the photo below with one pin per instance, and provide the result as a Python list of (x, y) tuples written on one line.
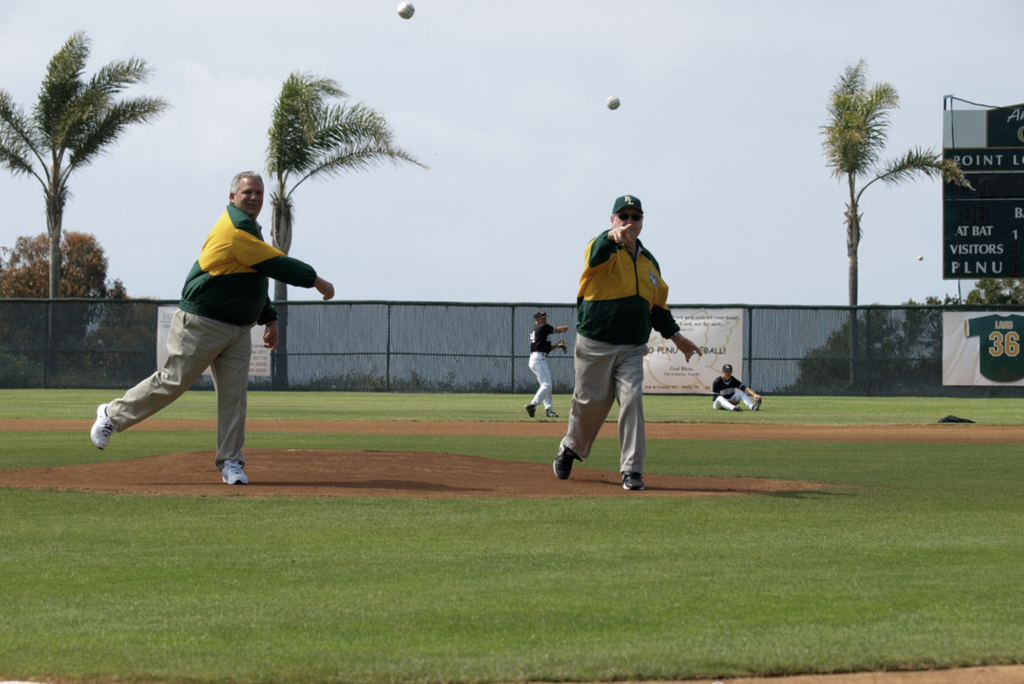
[(607, 373), (195, 343)]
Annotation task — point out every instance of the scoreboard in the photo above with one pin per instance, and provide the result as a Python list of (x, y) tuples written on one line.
[(983, 226)]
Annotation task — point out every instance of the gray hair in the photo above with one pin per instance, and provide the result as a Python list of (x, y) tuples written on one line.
[(237, 180)]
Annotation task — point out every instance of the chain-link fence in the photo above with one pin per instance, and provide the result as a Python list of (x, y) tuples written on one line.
[(454, 347)]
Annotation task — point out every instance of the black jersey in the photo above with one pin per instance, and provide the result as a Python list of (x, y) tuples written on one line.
[(726, 389), (539, 341)]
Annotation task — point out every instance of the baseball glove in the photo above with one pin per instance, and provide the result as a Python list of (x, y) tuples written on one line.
[(560, 345)]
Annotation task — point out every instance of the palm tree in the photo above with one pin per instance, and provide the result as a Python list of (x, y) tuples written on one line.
[(72, 123), (311, 138), (855, 136)]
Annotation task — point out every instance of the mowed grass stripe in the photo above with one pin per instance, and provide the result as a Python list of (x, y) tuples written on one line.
[(375, 590)]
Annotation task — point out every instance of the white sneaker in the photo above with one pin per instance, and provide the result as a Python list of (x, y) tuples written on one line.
[(102, 428), (233, 474)]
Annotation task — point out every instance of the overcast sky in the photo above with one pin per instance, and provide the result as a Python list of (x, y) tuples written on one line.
[(718, 134)]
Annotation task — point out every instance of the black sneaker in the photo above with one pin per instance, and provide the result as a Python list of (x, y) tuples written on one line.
[(757, 405), (634, 481), (563, 463), (531, 409), (551, 414)]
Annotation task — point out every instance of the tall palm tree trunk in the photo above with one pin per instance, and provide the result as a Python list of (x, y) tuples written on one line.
[(281, 353), (281, 235), (55, 198), (852, 245)]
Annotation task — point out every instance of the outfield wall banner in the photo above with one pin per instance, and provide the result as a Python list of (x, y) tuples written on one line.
[(982, 348), (259, 363), (718, 334)]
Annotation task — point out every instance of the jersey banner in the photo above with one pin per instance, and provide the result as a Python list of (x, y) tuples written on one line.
[(719, 336), (982, 348), (259, 362)]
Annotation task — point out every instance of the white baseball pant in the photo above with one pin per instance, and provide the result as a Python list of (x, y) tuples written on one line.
[(539, 366), (740, 396)]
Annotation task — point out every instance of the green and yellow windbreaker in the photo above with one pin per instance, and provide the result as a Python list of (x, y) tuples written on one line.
[(620, 299), (229, 282)]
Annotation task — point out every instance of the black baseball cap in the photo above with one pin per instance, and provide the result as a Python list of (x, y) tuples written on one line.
[(541, 313), (727, 367)]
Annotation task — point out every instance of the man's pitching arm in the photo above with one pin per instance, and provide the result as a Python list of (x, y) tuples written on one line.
[(684, 345)]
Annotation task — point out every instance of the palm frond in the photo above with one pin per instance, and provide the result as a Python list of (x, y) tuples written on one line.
[(354, 138), (952, 173), (919, 162), (18, 141), (113, 78), (853, 79), (96, 135), (350, 126), (875, 105), (295, 121), (913, 163), (310, 137), (858, 123), (359, 159), (62, 84)]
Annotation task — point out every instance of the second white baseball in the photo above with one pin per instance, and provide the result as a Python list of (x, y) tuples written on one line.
[(612, 102), (406, 10)]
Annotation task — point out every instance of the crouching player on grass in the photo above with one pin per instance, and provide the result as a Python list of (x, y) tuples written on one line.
[(730, 393)]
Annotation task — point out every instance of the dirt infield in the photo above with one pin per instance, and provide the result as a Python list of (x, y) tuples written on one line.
[(406, 474), (326, 473)]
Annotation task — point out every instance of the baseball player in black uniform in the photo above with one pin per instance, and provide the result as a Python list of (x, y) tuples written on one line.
[(729, 392), (540, 347)]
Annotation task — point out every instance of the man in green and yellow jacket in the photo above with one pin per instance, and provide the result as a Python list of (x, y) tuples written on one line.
[(621, 297), (225, 294)]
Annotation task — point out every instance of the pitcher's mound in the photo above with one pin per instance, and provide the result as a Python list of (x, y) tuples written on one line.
[(417, 474)]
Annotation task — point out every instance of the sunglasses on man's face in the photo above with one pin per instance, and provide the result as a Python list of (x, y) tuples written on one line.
[(630, 217)]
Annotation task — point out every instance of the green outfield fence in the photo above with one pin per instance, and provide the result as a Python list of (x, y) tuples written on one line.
[(376, 346)]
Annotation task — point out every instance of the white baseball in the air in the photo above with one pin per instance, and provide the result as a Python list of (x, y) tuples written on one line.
[(612, 102), (406, 10), (920, 258)]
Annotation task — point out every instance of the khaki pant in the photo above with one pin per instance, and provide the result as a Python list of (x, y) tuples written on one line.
[(606, 373), (195, 343)]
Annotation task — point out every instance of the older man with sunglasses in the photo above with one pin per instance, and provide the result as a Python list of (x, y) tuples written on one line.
[(620, 298)]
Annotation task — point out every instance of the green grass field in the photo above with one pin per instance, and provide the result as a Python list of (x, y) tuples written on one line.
[(913, 559)]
